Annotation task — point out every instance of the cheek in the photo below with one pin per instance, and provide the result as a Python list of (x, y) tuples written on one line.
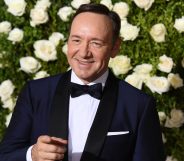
[(102, 57), (71, 49)]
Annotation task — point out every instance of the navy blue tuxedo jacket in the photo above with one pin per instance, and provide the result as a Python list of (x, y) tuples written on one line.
[(42, 109)]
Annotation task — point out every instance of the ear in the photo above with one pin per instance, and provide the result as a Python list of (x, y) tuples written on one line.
[(116, 47)]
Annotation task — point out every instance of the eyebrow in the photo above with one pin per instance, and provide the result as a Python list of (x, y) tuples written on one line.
[(75, 36), (93, 39)]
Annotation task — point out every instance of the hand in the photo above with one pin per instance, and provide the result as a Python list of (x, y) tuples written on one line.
[(48, 149)]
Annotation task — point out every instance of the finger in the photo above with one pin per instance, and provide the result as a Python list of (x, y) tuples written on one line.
[(60, 141), (45, 139), (51, 156), (53, 148)]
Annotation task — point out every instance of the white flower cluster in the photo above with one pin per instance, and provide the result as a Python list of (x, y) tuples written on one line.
[(65, 12), (39, 13), (29, 64), (8, 118), (6, 91), (16, 7), (56, 37), (5, 27), (158, 32), (142, 74), (144, 4), (122, 9), (46, 49), (179, 24), (137, 76), (107, 3), (120, 64), (128, 31), (176, 119), (41, 74), (171, 158), (15, 35), (162, 117), (76, 3)]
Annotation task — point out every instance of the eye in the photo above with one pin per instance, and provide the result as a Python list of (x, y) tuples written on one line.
[(76, 41), (96, 44)]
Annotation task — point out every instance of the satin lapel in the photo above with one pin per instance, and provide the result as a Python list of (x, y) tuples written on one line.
[(58, 122), (102, 121)]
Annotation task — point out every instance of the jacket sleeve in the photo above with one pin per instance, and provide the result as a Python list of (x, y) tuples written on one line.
[(17, 138), (149, 145)]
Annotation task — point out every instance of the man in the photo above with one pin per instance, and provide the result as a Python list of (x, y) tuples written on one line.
[(55, 119)]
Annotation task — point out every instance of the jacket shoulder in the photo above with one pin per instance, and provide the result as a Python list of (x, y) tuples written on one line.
[(131, 92), (42, 87)]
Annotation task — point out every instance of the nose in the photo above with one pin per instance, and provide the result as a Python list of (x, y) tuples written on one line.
[(84, 50)]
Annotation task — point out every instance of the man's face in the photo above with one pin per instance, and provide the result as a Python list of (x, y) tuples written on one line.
[(90, 45)]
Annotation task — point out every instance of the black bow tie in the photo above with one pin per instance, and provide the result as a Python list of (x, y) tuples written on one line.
[(93, 90)]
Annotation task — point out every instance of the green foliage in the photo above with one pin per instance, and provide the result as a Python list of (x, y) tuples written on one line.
[(142, 50)]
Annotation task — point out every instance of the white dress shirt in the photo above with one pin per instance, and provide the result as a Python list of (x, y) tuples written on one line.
[(82, 111)]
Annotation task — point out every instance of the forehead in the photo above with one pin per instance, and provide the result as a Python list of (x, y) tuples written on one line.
[(88, 22)]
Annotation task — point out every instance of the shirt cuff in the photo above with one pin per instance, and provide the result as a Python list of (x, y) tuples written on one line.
[(28, 154)]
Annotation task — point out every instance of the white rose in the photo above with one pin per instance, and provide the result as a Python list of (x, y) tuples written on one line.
[(158, 32), (38, 16), (6, 90), (175, 80), (162, 116), (9, 103), (122, 9), (5, 27), (44, 4), (41, 74), (16, 7), (182, 62), (171, 158), (145, 4), (64, 13), (107, 3), (143, 69), (8, 118), (56, 37), (176, 119), (134, 80), (45, 50), (165, 64), (76, 3), (120, 64), (158, 84), (29, 64), (179, 24), (128, 31), (65, 48), (16, 35)]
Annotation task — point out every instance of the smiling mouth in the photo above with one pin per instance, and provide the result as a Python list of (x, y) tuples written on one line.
[(85, 62)]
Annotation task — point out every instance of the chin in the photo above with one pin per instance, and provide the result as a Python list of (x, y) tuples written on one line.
[(85, 77)]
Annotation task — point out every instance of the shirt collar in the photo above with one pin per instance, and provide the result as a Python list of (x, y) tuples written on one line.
[(102, 79)]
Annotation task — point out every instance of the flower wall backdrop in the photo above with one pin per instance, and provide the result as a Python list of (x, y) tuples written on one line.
[(33, 37)]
